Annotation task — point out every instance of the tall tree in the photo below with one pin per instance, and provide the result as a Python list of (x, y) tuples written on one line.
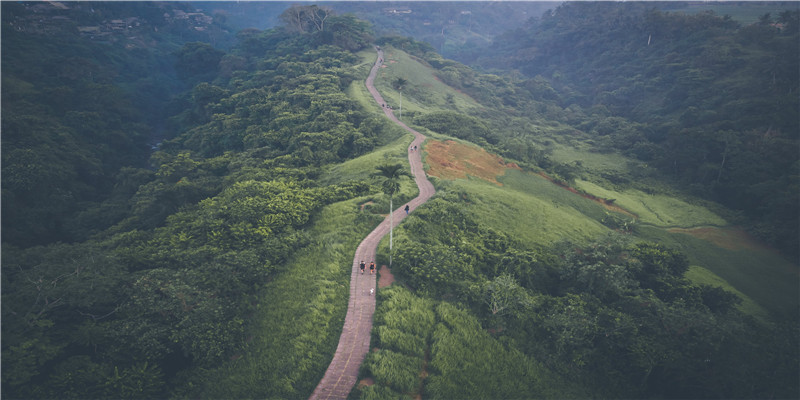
[(306, 19)]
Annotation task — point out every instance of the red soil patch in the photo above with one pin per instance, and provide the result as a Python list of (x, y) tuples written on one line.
[(452, 160), (386, 277), (599, 200), (366, 204), (727, 238), (366, 382)]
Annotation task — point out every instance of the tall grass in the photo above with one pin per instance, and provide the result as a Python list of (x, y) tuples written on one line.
[(380, 392), (299, 318), (403, 325), (395, 370), (466, 362)]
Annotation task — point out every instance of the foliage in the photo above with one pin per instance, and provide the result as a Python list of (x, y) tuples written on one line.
[(466, 362), (166, 292), (690, 94), (456, 125), (616, 316), (403, 325)]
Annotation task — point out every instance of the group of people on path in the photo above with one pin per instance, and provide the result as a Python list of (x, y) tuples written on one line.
[(363, 266)]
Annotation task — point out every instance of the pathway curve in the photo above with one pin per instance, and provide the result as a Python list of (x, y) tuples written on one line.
[(353, 346)]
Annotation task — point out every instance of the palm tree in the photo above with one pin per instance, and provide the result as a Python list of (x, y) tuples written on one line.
[(391, 185)]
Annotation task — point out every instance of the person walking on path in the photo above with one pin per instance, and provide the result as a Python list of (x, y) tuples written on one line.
[(354, 342), (407, 208), (372, 267), (362, 266)]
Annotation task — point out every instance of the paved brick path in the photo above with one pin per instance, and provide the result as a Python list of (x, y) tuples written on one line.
[(342, 373)]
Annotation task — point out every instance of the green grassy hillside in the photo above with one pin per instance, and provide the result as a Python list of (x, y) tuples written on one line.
[(549, 262), (536, 211)]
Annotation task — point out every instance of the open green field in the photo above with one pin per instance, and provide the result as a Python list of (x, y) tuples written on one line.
[(539, 213), (538, 218), (760, 273), (703, 276), (656, 209), (423, 92), (598, 162), (364, 166)]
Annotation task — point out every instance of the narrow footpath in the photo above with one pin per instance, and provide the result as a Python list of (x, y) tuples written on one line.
[(353, 346)]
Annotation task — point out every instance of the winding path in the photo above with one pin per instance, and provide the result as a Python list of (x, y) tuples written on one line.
[(353, 346)]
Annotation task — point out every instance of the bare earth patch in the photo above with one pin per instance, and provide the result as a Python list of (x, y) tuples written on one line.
[(366, 382), (452, 160), (386, 277), (727, 238)]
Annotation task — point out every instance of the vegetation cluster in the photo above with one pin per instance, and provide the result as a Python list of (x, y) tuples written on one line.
[(160, 270), (216, 263), (708, 101), (615, 317)]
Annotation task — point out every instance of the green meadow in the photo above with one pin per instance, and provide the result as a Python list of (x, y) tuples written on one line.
[(423, 92), (539, 213)]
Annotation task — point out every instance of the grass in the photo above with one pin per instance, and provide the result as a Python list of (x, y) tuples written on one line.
[(357, 89), (363, 167), (760, 274), (423, 92), (299, 319), (703, 276), (531, 209), (467, 362), (403, 324), (656, 209), (593, 161), (538, 212)]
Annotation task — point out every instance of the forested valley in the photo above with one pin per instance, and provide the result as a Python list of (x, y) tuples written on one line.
[(181, 202)]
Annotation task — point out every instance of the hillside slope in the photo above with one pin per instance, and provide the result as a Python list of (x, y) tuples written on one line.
[(566, 252)]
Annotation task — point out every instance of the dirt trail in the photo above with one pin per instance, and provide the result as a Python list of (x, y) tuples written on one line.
[(353, 346)]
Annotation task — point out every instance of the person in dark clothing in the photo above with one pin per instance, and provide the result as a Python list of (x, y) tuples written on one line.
[(372, 267), (362, 266), (407, 208)]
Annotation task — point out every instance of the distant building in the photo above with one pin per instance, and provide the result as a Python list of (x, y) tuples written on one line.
[(397, 10)]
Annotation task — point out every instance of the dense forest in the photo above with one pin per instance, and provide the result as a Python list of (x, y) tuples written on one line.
[(181, 201), (158, 261)]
